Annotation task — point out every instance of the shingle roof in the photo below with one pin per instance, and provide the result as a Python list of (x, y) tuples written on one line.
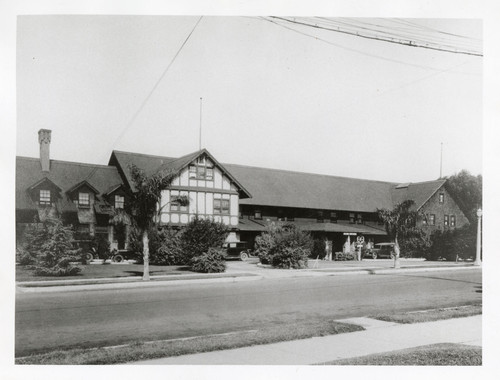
[(63, 174), (271, 187), (419, 192), (155, 164), (282, 188)]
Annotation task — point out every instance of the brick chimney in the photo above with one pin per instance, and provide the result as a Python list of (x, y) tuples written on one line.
[(44, 140)]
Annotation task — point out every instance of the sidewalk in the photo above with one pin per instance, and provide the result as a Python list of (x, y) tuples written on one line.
[(377, 338)]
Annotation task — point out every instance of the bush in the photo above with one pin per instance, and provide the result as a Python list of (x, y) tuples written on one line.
[(169, 251), (100, 248), (212, 261), (452, 244), (347, 256), (284, 245), (199, 236), (49, 249)]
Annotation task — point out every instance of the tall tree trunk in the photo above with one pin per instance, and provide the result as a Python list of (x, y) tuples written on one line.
[(397, 251), (145, 254)]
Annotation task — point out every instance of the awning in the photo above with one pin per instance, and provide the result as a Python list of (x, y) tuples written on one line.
[(361, 229)]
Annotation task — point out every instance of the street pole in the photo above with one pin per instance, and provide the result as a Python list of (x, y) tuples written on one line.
[(478, 245)]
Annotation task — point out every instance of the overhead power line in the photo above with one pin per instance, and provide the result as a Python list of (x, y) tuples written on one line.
[(388, 35)]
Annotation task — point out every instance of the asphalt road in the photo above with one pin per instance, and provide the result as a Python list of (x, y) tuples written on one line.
[(48, 321)]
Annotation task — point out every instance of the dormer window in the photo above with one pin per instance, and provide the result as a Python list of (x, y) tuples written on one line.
[(119, 201), (359, 218), (83, 199), (44, 197)]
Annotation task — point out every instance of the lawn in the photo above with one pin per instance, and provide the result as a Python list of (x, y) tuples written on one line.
[(150, 350), (431, 315), (106, 271), (432, 355)]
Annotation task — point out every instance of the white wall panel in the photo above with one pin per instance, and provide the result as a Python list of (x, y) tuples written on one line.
[(209, 206), (174, 218), (217, 218), (165, 198), (234, 205), (176, 181), (184, 177), (217, 179), (234, 221), (225, 220), (192, 202), (165, 218), (184, 218), (201, 203), (225, 183)]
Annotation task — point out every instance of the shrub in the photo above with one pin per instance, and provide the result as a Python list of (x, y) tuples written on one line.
[(101, 247), (169, 251), (346, 256), (212, 261), (453, 244), (199, 236), (49, 248), (284, 245)]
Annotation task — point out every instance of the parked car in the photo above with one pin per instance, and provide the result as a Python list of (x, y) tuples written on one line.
[(238, 249), (381, 250)]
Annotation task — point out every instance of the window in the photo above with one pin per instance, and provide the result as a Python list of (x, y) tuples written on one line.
[(45, 197), (257, 214), (319, 217), (446, 220), (432, 219), (441, 197), (351, 218), (333, 217), (221, 206), (424, 220), (176, 206), (119, 201), (83, 199), (201, 170), (453, 221), (359, 219)]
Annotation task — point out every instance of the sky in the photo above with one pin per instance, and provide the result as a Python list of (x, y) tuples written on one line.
[(272, 97)]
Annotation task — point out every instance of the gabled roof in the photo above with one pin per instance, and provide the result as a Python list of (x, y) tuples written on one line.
[(419, 192), (65, 175), (83, 183), (154, 164), (42, 181)]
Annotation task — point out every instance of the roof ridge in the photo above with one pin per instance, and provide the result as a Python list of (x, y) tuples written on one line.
[(308, 173), (70, 162), (433, 180), (143, 154)]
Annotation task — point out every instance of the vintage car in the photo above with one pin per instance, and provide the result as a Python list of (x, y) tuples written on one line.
[(381, 250), (238, 249)]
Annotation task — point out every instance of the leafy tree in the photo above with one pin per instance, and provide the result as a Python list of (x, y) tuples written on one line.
[(466, 189), (400, 225), (145, 205), (199, 236)]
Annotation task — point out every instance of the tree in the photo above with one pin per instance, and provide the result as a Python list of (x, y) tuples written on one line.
[(466, 190), (146, 205), (400, 224)]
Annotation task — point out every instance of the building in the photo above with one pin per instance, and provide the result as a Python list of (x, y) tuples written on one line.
[(244, 198)]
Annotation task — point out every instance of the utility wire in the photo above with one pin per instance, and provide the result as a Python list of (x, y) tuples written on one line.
[(155, 86), (410, 42), (353, 50)]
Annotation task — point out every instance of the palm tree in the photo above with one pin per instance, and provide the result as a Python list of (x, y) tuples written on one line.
[(400, 223), (145, 205)]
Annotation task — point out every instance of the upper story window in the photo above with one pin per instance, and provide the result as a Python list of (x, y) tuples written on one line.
[(424, 220), (446, 220), (453, 221), (441, 197), (351, 218), (202, 169), (319, 217), (333, 217), (83, 199), (119, 201), (221, 206), (432, 219), (359, 219), (176, 206), (257, 214), (44, 197)]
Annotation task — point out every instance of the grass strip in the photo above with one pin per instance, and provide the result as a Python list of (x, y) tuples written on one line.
[(151, 350), (431, 315), (442, 354)]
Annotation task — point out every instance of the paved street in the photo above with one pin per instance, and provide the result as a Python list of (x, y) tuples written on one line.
[(46, 321)]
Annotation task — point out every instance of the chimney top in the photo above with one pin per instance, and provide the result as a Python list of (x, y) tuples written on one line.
[(44, 141)]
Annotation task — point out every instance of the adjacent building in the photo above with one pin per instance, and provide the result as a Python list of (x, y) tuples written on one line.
[(246, 199)]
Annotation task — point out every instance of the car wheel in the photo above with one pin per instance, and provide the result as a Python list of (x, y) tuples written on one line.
[(243, 256), (89, 256), (118, 258)]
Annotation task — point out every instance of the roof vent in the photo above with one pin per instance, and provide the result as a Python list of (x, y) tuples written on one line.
[(403, 185)]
